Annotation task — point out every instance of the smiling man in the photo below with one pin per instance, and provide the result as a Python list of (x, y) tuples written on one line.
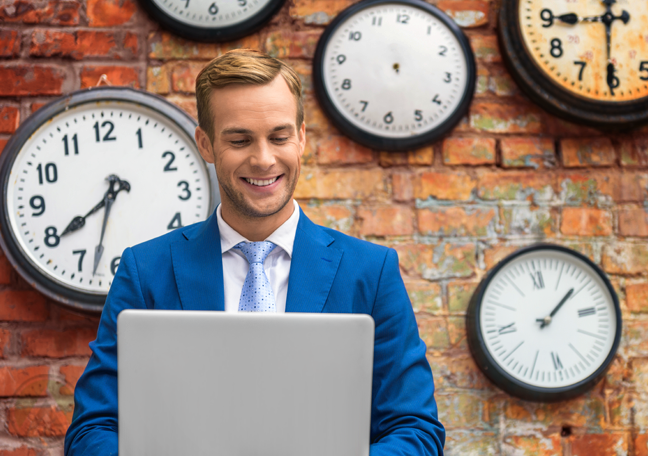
[(252, 129)]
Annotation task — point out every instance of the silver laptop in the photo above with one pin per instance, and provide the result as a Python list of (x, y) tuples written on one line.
[(244, 384)]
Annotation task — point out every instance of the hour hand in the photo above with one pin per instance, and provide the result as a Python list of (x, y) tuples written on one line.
[(78, 222)]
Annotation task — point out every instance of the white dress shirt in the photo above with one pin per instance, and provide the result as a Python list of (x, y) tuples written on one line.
[(276, 265)]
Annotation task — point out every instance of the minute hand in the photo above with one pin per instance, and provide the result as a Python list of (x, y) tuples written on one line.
[(109, 200), (546, 320)]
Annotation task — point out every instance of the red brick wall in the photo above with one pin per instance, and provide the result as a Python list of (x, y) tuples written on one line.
[(507, 176)]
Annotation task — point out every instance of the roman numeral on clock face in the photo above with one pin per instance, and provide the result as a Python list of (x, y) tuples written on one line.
[(538, 282)]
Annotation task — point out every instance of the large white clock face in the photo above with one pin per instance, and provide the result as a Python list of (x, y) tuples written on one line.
[(210, 13), (159, 183), (395, 70), (548, 319)]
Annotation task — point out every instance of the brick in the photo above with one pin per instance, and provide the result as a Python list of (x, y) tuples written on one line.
[(292, 44), (32, 12), (433, 331), (467, 410), (586, 188), (17, 305), (3, 143), (386, 220), (74, 45), (518, 118), (107, 13), (485, 48), (336, 149), (340, 184), (457, 221), (433, 262), (314, 116), (632, 188), (186, 103), (466, 13), (583, 221), (117, 76), (45, 421), (589, 444), (634, 342), (482, 86), (501, 83), (452, 372), (131, 43), (23, 382), (53, 343), (515, 185), (5, 340), (469, 151), (165, 46), (459, 295), (30, 80), (497, 253), (524, 220), (637, 297), (336, 216), (402, 186), (183, 76), (9, 119), (587, 152), (20, 451), (581, 411), (158, 80), (36, 106), (444, 186), (248, 42), (639, 368), (471, 443), (633, 152), (317, 12), (641, 445), (537, 153), (633, 222), (71, 374), (9, 43), (425, 296), (419, 157), (625, 258), (457, 332), (532, 445)]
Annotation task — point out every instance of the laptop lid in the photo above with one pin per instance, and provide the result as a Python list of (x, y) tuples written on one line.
[(244, 384)]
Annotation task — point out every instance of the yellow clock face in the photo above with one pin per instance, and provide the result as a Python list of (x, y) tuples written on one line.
[(592, 48)]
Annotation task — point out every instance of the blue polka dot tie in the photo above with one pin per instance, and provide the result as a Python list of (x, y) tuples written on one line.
[(257, 295)]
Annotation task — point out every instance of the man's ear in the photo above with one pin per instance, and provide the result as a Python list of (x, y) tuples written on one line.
[(204, 145), (302, 138)]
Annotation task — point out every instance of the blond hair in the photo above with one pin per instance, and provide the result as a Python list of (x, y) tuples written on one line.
[(242, 66)]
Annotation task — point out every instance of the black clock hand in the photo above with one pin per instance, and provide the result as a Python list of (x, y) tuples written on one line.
[(108, 201), (78, 222), (546, 320)]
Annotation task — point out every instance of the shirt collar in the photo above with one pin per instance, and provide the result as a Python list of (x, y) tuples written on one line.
[(283, 237)]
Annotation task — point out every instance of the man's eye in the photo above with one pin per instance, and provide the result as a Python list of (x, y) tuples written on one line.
[(282, 139), (239, 142)]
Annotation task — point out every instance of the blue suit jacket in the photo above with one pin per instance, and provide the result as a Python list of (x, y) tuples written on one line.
[(330, 272)]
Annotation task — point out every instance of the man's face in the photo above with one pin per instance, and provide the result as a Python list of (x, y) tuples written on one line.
[(257, 146)]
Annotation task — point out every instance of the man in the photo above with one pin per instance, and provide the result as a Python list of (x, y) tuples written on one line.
[(252, 129)]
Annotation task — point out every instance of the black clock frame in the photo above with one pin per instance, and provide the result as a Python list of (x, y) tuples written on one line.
[(501, 378), (213, 34), (85, 302), (378, 142), (534, 82)]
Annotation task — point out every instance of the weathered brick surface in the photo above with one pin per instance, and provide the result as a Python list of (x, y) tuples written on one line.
[(509, 175)]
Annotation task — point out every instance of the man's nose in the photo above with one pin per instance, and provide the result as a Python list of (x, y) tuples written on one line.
[(262, 157)]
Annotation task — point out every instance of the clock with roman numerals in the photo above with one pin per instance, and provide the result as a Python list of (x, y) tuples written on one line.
[(583, 60), (91, 174), (544, 324), (212, 20), (394, 74)]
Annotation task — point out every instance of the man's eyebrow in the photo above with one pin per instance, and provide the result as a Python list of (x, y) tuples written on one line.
[(235, 131), (283, 127)]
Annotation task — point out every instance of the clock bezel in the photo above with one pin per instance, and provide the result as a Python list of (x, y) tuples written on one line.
[(384, 143), (85, 302), (550, 96), (213, 34), (489, 366)]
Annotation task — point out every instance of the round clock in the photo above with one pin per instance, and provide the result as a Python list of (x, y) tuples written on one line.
[(586, 61), (545, 323), (209, 20), (394, 74), (91, 174)]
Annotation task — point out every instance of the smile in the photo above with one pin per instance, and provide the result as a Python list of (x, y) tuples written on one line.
[(261, 182)]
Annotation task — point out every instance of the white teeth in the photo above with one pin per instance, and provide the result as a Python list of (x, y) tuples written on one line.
[(261, 182)]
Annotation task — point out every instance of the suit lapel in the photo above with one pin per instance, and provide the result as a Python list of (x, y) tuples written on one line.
[(198, 267), (313, 267)]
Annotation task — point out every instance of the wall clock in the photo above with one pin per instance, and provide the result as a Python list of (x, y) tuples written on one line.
[(544, 324), (394, 75), (209, 20), (583, 60), (91, 174)]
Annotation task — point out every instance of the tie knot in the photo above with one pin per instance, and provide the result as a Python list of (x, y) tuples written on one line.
[(255, 252)]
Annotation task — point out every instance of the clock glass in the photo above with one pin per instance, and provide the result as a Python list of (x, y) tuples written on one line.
[(594, 49), (97, 177), (209, 13), (548, 319)]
